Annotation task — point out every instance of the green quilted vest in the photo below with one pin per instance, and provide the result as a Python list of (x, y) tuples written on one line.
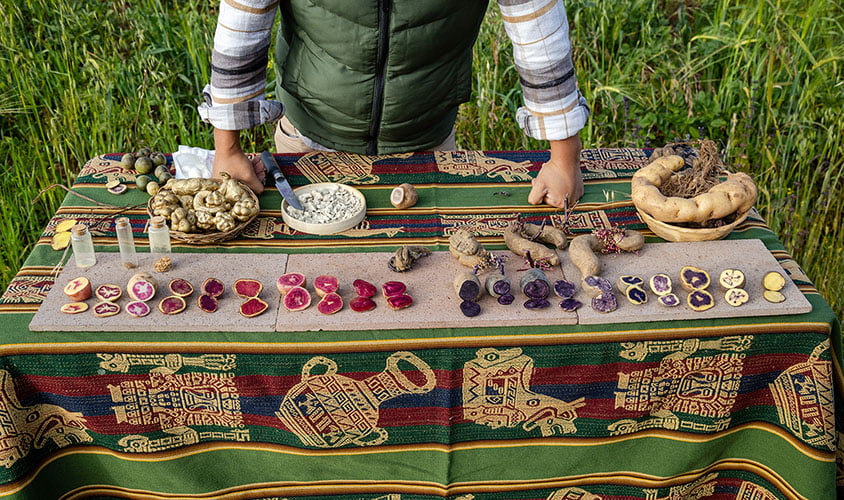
[(377, 76)]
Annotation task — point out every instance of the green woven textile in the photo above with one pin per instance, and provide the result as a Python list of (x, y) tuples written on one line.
[(712, 408)]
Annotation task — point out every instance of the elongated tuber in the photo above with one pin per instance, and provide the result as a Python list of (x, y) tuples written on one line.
[(522, 246), (583, 248), (468, 251)]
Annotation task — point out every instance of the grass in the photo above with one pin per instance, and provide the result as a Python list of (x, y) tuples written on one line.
[(763, 79)]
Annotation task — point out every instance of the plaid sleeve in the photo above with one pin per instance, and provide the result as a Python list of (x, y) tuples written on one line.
[(553, 107), (235, 99)]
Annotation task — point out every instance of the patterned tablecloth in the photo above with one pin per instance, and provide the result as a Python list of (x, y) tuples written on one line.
[(711, 408)]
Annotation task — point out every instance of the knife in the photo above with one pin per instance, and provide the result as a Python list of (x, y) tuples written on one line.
[(280, 181)]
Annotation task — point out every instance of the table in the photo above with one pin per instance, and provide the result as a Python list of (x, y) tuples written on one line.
[(705, 408)]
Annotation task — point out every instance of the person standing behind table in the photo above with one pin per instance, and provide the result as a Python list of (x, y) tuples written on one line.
[(387, 76)]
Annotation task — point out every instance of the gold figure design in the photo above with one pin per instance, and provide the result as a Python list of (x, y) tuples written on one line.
[(177, 437), (572, 494), (476, 163), (23, 428), (703, 387), (166, 363), (683, 348), (171, 401), (496, 393), (331, 410), (703, 487), (346, 168), (804, 397)]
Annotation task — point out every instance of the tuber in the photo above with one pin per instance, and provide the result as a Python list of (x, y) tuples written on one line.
[(700, 300), (773, 281), (596, 285), (404, 196), (108, 293), (213, 287), (74, 307), (287, 281), (497, 284), (694, 278), (564, 289), (364, 288), (253, 306), (467, 286), (141, 286), (297, 299), (391, 288), (636, 295), (137, 309), (669, 300), (773, 296), (570, 304), (736, 296), (605, 302), (582, 248), (405, 257), (172, 304), (525, 247), (660, 284), (325, 284), (207, 303), (78, 289), (535, 284), (106, 309), (180, 287), (246, 288), (330, 303), (362, 304), (400, 301), (731, 278), (468, 251)]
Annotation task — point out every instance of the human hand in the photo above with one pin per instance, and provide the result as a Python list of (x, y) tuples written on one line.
[(559, 180), (229, 158)]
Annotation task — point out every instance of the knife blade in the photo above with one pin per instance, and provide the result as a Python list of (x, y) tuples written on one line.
[(281, 182)]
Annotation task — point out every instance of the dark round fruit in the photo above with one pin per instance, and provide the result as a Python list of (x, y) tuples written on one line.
[(143, 165), (128, 161)]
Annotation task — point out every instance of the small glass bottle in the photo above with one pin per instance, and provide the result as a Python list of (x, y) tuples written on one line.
[(83, 246), (126, 242), (159, 237)]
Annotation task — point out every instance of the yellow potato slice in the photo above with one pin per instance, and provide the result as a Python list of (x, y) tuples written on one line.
[(61, 240), (65, 225)]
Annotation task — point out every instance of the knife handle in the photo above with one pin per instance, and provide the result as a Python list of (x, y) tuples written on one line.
[(271, 165)]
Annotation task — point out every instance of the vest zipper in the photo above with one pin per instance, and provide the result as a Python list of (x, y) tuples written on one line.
[(380, 73)]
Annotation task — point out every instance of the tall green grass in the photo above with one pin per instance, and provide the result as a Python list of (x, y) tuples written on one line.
[(763, 79)]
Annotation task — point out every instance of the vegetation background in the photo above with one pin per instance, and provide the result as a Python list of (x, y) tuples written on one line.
[(762, 78)]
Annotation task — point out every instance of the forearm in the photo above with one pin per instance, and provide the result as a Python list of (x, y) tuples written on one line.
[(227, 142), (566, 152)]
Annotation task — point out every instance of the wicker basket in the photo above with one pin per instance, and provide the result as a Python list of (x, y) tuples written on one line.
[(210, 237), (670, 232)]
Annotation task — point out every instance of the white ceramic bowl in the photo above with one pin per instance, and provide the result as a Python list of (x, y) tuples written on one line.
[(328, 228)]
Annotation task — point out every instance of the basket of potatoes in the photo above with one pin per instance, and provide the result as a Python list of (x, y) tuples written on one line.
[(697, 204), (202, 211)]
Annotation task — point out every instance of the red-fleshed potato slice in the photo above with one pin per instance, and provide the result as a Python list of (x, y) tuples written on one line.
[(213, 287), (78, 289), (362, 304), (364, 288), (391, 288), (141, 287), (180, 287), (74, 307), (289, 280), (326, 284), (207, 303), (253, 307), (330, 303), (399, 301), (106, 309), (297, 299), (247, 288), (108, 293), (172, 305), (137, 309)]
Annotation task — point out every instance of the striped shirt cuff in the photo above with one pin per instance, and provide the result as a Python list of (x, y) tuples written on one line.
[(554, 126), (238, 115)]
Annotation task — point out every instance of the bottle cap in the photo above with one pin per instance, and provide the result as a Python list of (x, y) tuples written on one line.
[(156, 221), (79, 229)]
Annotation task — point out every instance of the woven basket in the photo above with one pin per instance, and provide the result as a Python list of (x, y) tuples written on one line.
[(210, 237), (671, 232)]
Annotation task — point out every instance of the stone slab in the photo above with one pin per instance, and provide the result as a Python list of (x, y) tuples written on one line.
[(195, 267), (435, 305), (749, 256)]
